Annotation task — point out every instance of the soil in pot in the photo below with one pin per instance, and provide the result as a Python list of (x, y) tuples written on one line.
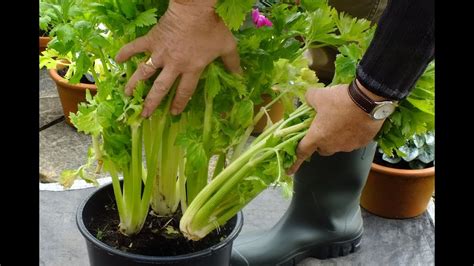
[(86, 79), (156, 237)]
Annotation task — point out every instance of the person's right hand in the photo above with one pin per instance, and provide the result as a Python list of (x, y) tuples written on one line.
[(187, 38), (339, 126)]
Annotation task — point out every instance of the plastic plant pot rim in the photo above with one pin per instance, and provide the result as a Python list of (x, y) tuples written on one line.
[(144, 258)]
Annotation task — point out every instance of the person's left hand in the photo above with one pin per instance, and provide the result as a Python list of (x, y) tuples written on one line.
[(187, 38), (339, 126)]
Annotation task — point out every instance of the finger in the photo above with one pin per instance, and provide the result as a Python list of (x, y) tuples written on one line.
[(159, 89), (143, 72), (187, 86), (311, 97), (231, 61), (324, 153), (136, 46)]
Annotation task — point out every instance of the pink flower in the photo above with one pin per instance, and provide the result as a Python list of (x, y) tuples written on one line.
[(260, 20)]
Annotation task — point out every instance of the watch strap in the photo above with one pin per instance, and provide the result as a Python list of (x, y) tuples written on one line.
[(360, 99)]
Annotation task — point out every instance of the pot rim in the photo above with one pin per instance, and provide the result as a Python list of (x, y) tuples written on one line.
[(412, 173), (145, 258), (65, 83)]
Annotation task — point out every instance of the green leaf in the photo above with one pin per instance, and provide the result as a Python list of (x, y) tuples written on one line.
[(242, 114), (98, 41), (85, 119), (321, 26), (67, 178), (233, 12), (65, 33), (43, 22), (311, 5), (346, 63), (146, 18), (195, 150), (82, 65), (83, 28), (351, 29), (127, 7), (424, 105)]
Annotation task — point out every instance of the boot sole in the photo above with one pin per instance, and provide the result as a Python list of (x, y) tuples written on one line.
[(333, 250)]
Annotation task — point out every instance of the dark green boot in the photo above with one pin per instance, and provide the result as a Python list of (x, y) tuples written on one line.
[(323, 219)]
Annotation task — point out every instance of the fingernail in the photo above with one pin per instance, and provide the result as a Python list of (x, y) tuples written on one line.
[(145, 113), (174, 111)]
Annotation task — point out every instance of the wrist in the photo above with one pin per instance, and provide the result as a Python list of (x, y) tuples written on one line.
[(371, 95), (187, 13)]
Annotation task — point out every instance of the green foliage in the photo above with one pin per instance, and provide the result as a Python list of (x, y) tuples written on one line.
[(414, 115), (233, 12), (418, 151), (219, 117)]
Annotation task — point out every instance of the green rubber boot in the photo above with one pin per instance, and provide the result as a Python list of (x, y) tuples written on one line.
[(323, 219)]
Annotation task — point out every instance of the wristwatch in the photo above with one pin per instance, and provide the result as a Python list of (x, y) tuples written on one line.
[(376, 110)]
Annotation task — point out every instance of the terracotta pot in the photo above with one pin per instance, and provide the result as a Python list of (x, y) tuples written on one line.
[(43, 43), (397, 193), (70, 94), (276, 113)]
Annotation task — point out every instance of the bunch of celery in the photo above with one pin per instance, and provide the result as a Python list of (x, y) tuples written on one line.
[(217, 122)]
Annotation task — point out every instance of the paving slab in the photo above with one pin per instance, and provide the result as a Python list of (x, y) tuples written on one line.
[(49, 103), (61, 148)]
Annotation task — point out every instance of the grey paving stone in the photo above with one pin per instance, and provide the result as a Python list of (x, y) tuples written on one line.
[(61, 243), (50, 110), (62, 147), (47, 87), (49, 104)]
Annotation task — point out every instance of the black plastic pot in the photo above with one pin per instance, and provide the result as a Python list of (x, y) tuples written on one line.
[(101, 254)]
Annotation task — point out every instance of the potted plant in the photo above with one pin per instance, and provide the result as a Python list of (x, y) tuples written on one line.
[(53, 13), (73, 56), (401, 187), (168, 191), (406, 141)]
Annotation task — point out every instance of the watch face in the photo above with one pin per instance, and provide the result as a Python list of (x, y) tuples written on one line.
[(383, 110)]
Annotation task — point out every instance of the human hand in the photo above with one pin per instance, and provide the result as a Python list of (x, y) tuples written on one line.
[(187, 38), (339, 126)]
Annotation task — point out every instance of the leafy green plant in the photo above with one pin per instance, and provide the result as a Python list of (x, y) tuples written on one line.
[(54, 13), (264, 162), (164, 160), (414, 115), (418, 151)]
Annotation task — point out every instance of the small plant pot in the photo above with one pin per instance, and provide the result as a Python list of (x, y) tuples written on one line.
[(276, 113), (43, 43), (71, 94), (397, 193), (101, 254)]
